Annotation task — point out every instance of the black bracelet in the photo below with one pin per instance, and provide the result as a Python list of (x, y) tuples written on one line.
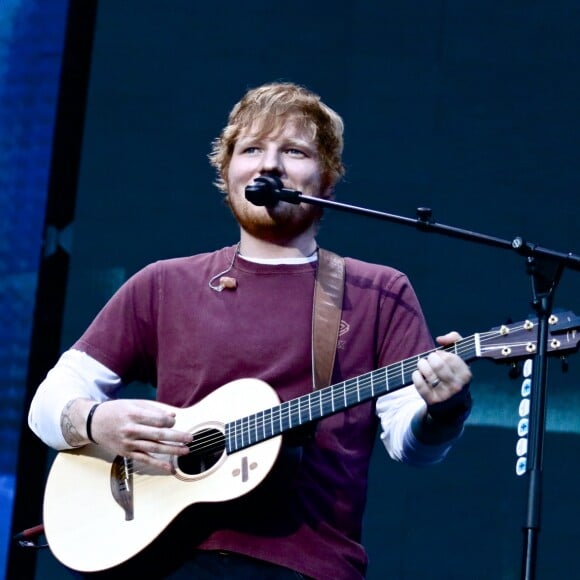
[(90, 421)]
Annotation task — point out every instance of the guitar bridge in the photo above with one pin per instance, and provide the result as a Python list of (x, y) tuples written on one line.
[(121, 480)]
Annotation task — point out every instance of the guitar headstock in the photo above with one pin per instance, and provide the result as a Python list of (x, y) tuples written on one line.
[(519, 340)]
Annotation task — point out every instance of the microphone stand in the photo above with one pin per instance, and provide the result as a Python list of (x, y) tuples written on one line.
[(545, 267)]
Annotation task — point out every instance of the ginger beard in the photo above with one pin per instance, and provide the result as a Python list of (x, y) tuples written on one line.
[(280, 223)]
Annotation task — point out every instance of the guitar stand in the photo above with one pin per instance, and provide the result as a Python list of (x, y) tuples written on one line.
[(545, 267), (29, 538)]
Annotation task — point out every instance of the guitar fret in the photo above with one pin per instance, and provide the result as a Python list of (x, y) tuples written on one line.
[(368, 386), (283, 417), (477, 344), (349, 386), (304, 409), (237, 443), (289, 414), (270, 430), (294, 412), (243, 426), (263, 425)]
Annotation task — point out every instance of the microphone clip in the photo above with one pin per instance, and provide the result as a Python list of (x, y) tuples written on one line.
[(268, 190)]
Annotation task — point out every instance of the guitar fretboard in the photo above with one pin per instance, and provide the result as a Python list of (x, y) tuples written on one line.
[(321, 403)]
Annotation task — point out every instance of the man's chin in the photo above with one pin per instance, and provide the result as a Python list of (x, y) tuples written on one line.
[(278, 223), (276, 231)]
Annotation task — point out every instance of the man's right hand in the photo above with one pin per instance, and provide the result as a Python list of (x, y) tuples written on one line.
[(134, 428)]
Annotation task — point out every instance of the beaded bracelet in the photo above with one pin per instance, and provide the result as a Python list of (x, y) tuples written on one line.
[(90, 421)]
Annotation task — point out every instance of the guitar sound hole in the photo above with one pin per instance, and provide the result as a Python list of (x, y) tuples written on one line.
[(206, 450)]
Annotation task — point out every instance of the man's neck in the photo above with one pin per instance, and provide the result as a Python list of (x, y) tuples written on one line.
[(299, 247)]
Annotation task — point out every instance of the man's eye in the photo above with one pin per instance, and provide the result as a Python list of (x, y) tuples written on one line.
[(250, 149), (295, 152)]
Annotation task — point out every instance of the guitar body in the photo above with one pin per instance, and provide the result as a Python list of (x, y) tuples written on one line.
[(98, 514)]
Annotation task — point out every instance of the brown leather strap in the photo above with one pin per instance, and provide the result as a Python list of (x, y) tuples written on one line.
[(326, 315)]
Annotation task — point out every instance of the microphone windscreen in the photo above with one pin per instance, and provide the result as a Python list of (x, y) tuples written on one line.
[(263, 191)]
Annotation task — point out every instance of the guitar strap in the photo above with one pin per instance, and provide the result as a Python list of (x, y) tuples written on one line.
[(326, 315)]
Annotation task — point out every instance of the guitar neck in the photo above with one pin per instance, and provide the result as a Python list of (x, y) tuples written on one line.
[(321, 403)]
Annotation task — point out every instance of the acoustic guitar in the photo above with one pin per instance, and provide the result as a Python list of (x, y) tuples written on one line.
[(101, 510)]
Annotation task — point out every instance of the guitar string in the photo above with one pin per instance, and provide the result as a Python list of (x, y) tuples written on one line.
[(214, 441), (329, 394)]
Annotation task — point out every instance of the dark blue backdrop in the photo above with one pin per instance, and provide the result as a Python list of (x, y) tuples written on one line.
[(31, 42)]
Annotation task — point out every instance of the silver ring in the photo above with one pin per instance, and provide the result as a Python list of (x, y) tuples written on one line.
[(435, 382)]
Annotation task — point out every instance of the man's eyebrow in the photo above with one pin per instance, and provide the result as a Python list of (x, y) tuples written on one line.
[(247, 138), (285, 141), (300, 143)]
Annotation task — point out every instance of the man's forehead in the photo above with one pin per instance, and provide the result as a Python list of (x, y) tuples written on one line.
[(276, 127)]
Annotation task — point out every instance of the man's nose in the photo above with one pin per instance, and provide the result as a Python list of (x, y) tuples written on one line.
[(272, 162)]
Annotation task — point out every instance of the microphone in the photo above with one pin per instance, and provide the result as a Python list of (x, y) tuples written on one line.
[(268, 190)]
